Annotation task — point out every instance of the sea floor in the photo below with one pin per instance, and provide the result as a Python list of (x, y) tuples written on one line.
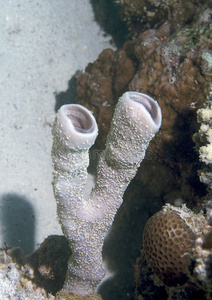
[(43, 44)]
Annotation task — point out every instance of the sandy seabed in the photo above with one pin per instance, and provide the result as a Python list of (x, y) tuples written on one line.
[(42, 45)]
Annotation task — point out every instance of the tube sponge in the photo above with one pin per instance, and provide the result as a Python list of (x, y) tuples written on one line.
[(136, 119), (85, 222)]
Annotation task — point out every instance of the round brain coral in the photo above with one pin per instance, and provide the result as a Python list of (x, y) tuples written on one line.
[(167, 242)]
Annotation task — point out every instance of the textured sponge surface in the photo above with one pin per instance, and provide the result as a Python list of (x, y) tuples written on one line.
[(167, 242)]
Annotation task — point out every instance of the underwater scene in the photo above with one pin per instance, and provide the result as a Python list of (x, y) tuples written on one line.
[(106, 150)]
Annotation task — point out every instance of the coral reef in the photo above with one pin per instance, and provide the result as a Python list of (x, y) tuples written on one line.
[(177, 248), (203, 140), (172, 66), (172, 62), (168, 239), (14, 285), (168, 256), (85, 222), (143, 14), (38, 276)]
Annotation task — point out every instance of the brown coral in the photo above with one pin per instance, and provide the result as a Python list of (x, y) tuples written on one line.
[(170, 67), (167, 242), (177, 248), (97, 90)]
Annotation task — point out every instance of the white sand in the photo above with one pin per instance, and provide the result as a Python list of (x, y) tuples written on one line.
[(42, 44)]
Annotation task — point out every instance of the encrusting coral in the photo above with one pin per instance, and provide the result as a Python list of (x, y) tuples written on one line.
[(203, 140), (14, 285), (38, 276), (171, 66), (85, 222)]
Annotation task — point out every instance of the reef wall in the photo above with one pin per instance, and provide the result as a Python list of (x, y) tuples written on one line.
[(174, 67)]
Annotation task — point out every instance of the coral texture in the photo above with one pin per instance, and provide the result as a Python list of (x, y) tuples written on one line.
[(177, 247), (14, 285), (167, 242), (203, 140), (143, 14), (67, 296), (85, 222), (171, 65), (38, 276)]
